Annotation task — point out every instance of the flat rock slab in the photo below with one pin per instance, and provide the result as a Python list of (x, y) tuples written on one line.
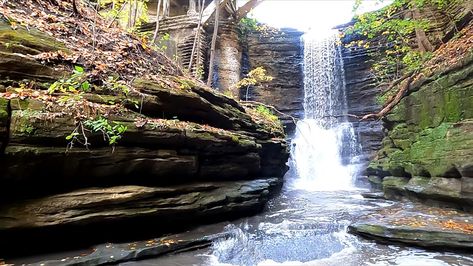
[(373, 195), (418, 225), (106, 254), (94, 205)]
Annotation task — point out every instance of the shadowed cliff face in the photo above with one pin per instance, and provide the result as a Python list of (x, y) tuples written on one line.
[(281, 54), (422, 148), (362, 90), (188, 154)]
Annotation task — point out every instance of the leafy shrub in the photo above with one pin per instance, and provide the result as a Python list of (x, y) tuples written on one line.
[(76, 83), (111, 132)]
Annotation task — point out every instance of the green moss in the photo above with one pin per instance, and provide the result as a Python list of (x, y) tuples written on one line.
[(371, 229), (23, 123), (185, 83), (32, 41), (4, 110), (266, 113), (432, 128), (235, 138), (395, 181)]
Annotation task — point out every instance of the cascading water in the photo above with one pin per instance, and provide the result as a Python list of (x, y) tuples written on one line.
[(307, 223), (324, 148)]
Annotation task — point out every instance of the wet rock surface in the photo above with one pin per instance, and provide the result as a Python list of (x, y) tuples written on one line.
[(427, 153), (111, 253), (418, 225), (189, 155)]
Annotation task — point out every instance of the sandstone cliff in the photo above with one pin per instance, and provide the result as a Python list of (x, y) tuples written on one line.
[(156, 148)]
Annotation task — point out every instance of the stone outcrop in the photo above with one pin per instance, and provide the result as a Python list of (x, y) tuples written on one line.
[(107, 254), (176, 203), (363, 90), (281, 54), (427, 227), (422, 149), (188, 154), (430, 141)]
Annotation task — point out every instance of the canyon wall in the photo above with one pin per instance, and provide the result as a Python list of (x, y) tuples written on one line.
[(422, 149), (281, 54)]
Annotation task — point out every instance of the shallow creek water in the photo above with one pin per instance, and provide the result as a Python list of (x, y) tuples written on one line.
[(301, 227)]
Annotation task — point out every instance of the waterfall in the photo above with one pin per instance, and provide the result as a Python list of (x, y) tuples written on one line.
[(324, 149)]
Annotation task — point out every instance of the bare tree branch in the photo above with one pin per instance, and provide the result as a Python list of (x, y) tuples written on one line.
[(197, 36), (158, 10), (246, 8)]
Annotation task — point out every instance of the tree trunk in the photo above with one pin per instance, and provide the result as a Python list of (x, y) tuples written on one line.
[(422, 41), (135, 14), (158, 10), (246, 8), (214, 41), (130, 13), (196, 37), (166, 7)]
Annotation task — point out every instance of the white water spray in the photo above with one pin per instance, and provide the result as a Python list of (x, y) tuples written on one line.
[(324, 148)]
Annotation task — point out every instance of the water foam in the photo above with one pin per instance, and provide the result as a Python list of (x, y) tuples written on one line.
[(324, 149)]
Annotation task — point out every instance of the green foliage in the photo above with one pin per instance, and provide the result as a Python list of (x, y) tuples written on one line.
[(76, 83), (199, 72), (119, 10), (114, 84), (266, 113), (254, 77), (391, 27), (163, 41), (247, 25), (414, 59), (111, 132)]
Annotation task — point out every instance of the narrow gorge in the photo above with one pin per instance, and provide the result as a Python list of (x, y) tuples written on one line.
[(187, 132)]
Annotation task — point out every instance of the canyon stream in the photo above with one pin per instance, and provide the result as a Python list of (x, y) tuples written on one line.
[(306, 224)]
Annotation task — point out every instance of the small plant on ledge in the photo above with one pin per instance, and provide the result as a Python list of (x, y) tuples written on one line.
[(111, 132), (254, 77), (76, 83)]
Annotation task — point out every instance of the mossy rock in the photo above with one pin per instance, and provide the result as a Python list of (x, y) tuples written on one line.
[(4, 120), (4, 105), (448, 98), (25, 41), (394, 187), (442, 151)]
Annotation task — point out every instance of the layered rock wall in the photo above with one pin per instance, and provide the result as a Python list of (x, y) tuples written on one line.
[(362, 92), (188, 153), (281, 54), (363, 88), (428, 150), (422, 149)]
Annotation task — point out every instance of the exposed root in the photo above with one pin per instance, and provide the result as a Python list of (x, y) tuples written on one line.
[(392, 102)]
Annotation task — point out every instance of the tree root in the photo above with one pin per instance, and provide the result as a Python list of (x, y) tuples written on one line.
[(405, 84)]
